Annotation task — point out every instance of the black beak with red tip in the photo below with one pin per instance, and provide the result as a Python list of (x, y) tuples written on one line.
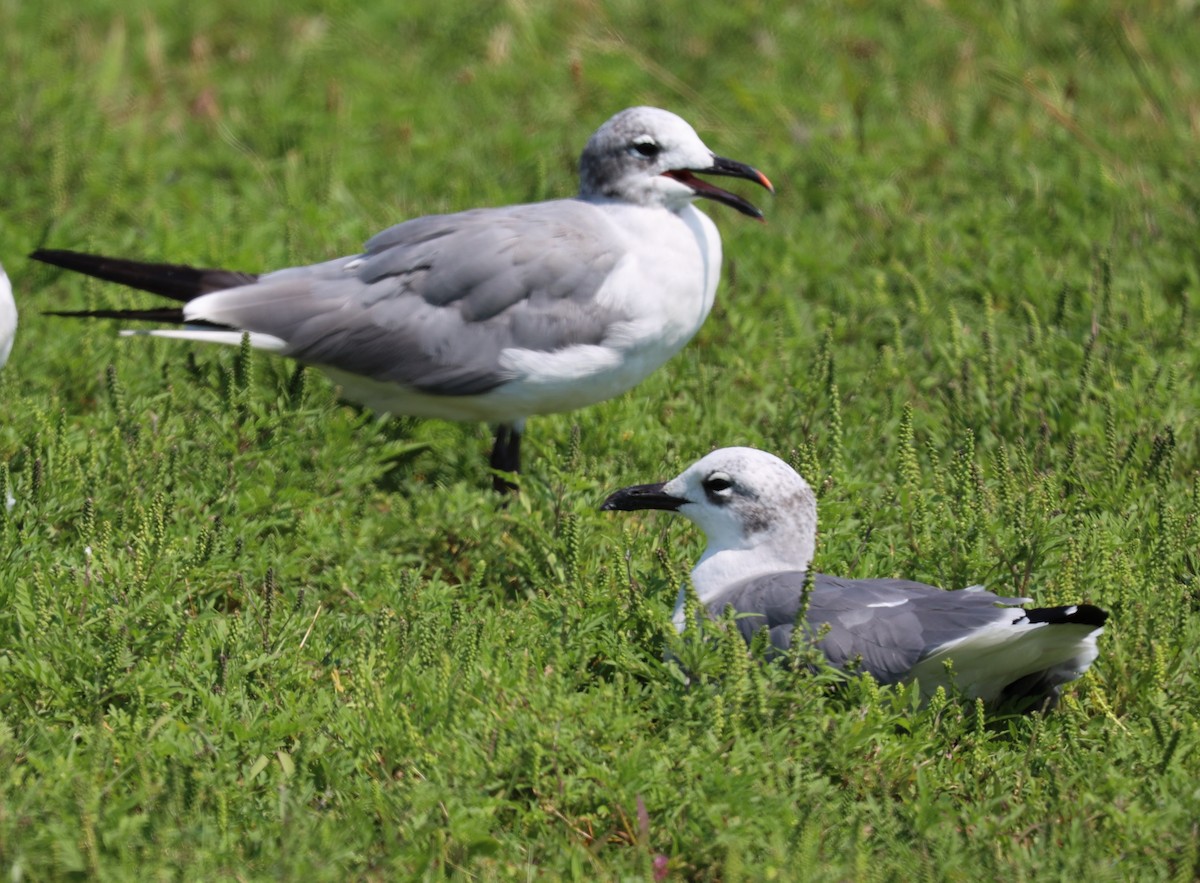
[(729, 168), (641, 496)]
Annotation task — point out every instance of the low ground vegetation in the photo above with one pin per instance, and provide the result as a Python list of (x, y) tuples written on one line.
[(247, 631)]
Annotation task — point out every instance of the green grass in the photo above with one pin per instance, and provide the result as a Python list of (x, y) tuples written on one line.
[(247, 632)]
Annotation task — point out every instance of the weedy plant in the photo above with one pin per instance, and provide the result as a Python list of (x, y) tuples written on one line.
[(249, 632)]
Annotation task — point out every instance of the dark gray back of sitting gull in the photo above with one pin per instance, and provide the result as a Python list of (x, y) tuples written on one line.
[(886, 626)]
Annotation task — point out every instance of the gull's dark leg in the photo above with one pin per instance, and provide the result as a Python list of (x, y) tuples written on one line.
[(506, 457)]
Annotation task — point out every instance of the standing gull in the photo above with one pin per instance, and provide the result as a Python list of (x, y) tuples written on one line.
[(492, 314), (760, 519)]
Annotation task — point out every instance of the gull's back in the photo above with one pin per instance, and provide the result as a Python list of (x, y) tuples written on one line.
[(899, 630)]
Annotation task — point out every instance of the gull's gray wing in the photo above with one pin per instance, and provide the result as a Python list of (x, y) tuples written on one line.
[(433, 302), (888, 624)]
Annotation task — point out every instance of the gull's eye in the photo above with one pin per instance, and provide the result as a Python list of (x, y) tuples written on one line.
[(646, 147), (717, 485)]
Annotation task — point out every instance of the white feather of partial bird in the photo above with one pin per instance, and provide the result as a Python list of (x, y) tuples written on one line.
[(8, 317)]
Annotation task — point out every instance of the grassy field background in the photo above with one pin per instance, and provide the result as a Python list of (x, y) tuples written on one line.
[(247, 632)]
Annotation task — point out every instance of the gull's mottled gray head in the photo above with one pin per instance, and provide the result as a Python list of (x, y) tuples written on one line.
[(647, 156), (744, 499)]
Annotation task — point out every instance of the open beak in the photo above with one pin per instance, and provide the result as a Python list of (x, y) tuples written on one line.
[(729, 168), (641, 496)]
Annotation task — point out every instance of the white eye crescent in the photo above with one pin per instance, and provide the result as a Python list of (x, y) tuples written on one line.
[(718, 484), (645, 146)]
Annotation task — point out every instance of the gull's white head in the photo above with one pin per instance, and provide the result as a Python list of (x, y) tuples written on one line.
[(8, 318), (647, 156), (757, 513)]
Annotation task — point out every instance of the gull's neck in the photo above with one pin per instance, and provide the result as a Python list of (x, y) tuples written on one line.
[(722, 566), (639, 199)]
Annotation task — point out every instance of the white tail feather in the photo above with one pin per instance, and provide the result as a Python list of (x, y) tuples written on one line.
[(988, 660), (267, 342)]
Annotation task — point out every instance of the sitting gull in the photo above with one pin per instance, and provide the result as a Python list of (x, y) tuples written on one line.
[(492, 314), (760, 519)]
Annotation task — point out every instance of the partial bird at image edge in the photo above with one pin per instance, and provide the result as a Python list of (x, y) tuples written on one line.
[(8, 318)]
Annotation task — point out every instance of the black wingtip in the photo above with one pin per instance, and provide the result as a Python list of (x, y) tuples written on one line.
[(177, 281), (168, 315), (1073, 614)]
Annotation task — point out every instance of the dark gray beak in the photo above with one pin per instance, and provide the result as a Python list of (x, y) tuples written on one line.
[(729, 168), (641, 496)]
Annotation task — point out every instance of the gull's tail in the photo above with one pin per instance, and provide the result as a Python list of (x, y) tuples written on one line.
[(1025, 659), (175, 281)]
